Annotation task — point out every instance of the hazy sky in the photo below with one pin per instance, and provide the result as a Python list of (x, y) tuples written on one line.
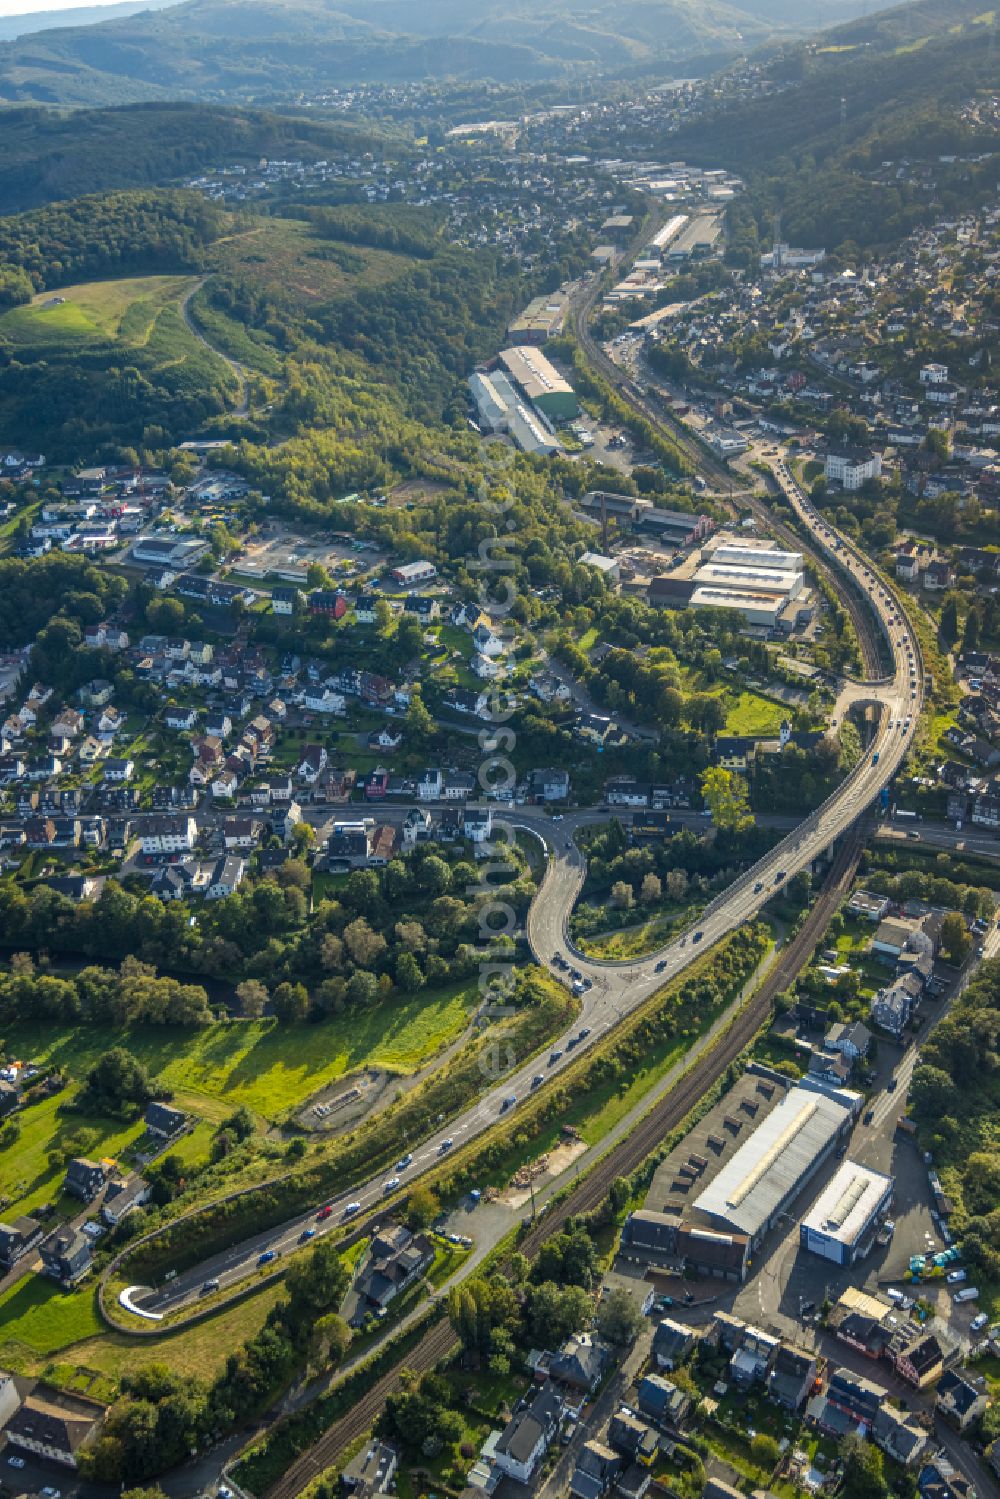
[(25, 7)]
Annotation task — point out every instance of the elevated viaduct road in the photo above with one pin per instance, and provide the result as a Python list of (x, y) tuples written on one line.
[(615, 989)]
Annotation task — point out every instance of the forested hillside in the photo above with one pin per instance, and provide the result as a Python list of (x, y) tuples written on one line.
[(151, 232), (46, 154), (261, 50), (812, 149)]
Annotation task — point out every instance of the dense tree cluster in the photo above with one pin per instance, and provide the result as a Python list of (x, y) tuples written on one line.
[(65, 582), (132, 995), (953, 1098), (110, 234), (397, 928)]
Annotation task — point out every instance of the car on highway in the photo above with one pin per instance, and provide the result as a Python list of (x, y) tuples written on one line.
[(869, 1116), (660, 966), (445, 1145), (351, 1209), (890, 1086), (508, 1102), (307, 1233), (267, 1256), (538, 1079), (780, 876), (324, 1213), (758, 887), (913, 835), (554, 1057), (208, 1286), (404, 1161), (569, 843), (584, 1033), (15, 1462)]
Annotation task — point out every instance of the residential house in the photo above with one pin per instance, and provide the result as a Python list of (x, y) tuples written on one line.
[(218, 725), (122, 1196), (53, 1425), (118, 771), (961, 1398), (893, 1006), (548, 784), (939, 1480), (323, 699), (313, 761), (430, 786), (19, 1237), (166, 834), (477, 824), (528, 1435), (792, 1376), (180, 717), (753, 1356), (579, 1363), (597, 1468), (239, 832), (858, 1397), (66, 1256), (84, 1179), (672, 1342), (919, 1360), (851, 1038), (327, 601), (225, 877), (899, 1436), (662, 1402), (397, 1259), (371, 1470), (163, 1121)]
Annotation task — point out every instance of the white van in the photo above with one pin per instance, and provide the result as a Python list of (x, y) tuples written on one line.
[(967, 1293)]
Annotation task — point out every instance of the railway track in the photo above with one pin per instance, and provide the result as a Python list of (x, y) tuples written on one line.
[(439, 1341), (435, 1345), (678, 1103)]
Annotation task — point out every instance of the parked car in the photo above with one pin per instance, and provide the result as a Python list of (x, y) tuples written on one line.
[(955, 1277)]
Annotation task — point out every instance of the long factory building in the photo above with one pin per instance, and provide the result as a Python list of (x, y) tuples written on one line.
[(761, 1180), (539, 382), (766, 586)]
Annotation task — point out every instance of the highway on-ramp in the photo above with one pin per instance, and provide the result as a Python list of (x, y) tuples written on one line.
[(616, 988)]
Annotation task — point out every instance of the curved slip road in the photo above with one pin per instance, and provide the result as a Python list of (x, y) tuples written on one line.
[(617, 988)]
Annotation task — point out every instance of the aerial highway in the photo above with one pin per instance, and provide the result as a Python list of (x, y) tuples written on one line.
[(614, 989)]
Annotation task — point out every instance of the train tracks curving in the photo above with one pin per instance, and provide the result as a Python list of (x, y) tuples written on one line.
[(670, 1112), (665, 1116)]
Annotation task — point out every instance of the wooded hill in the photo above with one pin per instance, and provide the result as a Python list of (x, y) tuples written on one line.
[(262, 50), (49, 154)]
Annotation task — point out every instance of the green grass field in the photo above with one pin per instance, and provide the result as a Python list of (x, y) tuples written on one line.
[(269, 1067), (749, 713), (95, 312)]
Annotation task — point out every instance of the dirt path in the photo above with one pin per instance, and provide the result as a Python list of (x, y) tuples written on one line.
[(242, 405)]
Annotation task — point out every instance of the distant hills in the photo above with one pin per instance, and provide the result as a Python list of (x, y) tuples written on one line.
[(271, 50), (46, 155), (77, 15)]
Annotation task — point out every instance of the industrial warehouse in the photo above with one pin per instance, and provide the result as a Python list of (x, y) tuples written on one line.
[(522, 398), (760, 1181), (720, 1191), (842, 1222), (767, 587)]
